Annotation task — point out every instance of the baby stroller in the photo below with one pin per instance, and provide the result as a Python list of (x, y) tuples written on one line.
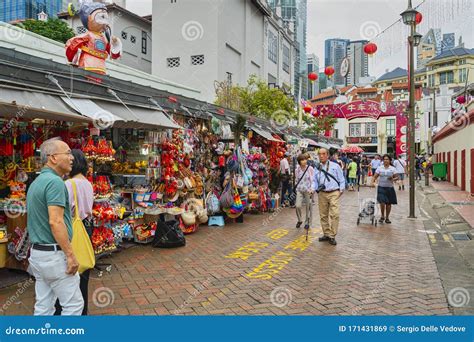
[(367, 209)]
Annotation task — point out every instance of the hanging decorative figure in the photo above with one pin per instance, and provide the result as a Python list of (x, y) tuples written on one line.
[(89, 50)]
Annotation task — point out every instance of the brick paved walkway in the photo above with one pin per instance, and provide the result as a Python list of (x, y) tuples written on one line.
[(259, 267)]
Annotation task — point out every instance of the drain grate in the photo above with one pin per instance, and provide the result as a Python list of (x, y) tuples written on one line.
[(460, 236)]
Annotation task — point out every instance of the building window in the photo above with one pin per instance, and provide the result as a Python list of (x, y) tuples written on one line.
[(144, 47), (173, 62), (462, 75), (197, 60), (462, 61), (124, 35), (431, 81), (286, 59), (133, 39), (371, 129), (446, 77), (81, 30), (390, 128), (272, 47), (354, 130)]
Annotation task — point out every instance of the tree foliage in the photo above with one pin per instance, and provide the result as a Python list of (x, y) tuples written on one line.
[(53, 28), (257, 99), (319, 124)]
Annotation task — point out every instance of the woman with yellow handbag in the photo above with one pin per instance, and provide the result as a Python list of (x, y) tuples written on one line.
[(81, 199)]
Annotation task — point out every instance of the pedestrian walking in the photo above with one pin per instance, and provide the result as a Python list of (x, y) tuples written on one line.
[(364, 170), (329, 183), (401, 167), (285, 175), (418, 168), (386, 195), (352, 172), (85, 200), (52, 261), (304, 191), (375, 163)]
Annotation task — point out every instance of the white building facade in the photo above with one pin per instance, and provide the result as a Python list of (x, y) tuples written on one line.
[(199, 42)]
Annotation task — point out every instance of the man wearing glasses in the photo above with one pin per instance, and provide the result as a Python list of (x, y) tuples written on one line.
[(52, 261)]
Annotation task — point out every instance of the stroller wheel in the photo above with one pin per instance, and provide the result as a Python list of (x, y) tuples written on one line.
[(358, 220)]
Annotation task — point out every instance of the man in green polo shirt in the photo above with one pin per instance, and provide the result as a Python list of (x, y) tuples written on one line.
[(52, 261)]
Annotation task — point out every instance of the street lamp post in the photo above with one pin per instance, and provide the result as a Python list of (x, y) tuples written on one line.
[(409, 17)]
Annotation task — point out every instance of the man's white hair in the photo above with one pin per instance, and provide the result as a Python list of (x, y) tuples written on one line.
[(47, 148)]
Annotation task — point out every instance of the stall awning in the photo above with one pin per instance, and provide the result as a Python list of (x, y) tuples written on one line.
[(140, 117), (22, 104), (265, 134), (323, 145), (336, 147), (91, 110), (311, 142)]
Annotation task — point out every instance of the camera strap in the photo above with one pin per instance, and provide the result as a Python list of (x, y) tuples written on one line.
[(327, 174)]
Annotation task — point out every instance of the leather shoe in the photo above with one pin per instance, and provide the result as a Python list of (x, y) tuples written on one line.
[(324, 238), (332, 241), (298, 224)]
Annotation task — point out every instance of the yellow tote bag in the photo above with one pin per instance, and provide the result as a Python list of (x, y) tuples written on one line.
[(81, 244)]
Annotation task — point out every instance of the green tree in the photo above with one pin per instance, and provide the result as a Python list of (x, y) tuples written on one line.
[(257, 99), (53, 28), (319, 124)]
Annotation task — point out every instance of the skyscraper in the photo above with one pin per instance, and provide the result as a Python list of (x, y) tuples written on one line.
[(313, 66), (358, 62), (335, 51), (12, 10), (295, 11)]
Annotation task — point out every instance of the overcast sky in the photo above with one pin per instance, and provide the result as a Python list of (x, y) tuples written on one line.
[(358, 19)]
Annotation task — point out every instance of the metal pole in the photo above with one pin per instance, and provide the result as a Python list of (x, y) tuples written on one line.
[(300, 112), (412, 123)]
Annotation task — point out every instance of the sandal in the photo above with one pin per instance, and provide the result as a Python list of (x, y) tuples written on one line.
[(382, 220), (388, 221)]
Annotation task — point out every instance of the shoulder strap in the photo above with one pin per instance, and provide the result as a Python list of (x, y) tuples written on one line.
[(76, 204)]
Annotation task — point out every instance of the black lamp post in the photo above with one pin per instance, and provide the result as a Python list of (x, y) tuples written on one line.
[(409, 18)]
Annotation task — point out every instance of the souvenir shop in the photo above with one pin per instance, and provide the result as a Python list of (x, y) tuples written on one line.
[(195, 168)]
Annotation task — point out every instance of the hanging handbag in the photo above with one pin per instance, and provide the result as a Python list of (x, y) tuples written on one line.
[(81, 243), (227, 197)]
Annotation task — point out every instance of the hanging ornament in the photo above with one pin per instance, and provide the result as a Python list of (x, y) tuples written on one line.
[(307, 108), (329, 71), (418, 18), (370, 48), (312, 76), (461, 99)]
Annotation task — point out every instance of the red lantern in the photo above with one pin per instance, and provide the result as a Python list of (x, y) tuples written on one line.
[(461, 99), (312, 76), (418, 18), (329, 71), (370, 48), (308, 109)]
